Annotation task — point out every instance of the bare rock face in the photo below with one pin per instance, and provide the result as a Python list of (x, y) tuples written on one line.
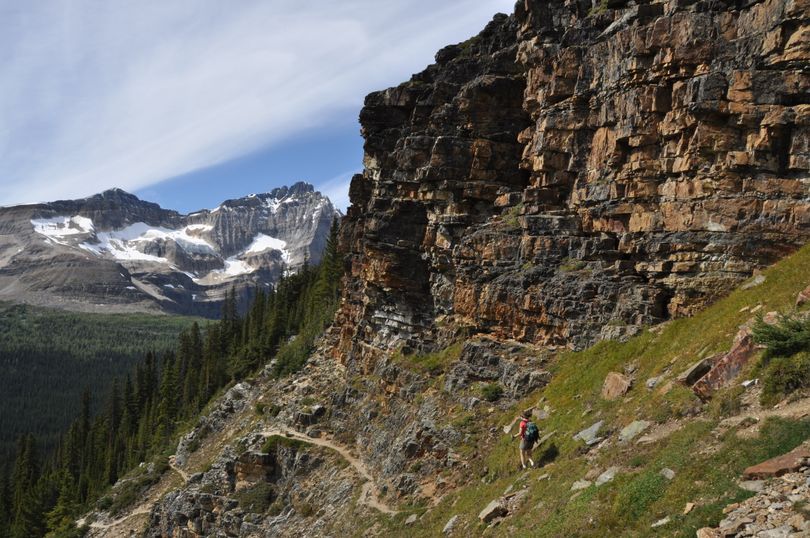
[(577, 171), (113, 251)]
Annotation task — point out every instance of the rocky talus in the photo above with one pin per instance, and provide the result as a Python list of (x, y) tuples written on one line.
[(779, 508), (580, 169)]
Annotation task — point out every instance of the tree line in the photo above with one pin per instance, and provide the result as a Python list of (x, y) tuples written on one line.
[(142, 416), (48, 356)]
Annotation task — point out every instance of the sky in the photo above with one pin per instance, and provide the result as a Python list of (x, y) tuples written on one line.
[(190, 102)]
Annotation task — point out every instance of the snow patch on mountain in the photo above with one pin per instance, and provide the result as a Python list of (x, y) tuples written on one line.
[(57, 228), (124, 244), (262, 243), (236, 267)]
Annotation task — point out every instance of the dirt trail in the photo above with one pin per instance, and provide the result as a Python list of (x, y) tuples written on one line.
[(795, 410), (177, 469), (137, 512), (145, 508), (368, 495)]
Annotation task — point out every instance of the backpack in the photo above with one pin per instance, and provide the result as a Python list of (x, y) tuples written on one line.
[(532, 433)]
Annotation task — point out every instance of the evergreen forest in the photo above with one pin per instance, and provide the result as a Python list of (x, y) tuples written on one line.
[(140, 417)]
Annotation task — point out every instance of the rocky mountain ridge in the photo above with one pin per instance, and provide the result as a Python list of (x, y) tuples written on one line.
[(115, 251)]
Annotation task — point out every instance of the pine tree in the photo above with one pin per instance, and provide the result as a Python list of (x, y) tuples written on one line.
[(140, 420), (26, 521)]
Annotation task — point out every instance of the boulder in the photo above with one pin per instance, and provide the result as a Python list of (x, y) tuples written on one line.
[(754, 282), (607, 476), (450, 525), (632, 430), (726, 368), (667, 473), (752, 485), (615, 386), (590, 435), (786, 463), (652, 382), (803, 297), (580, 484), (691, 375), (493, 510)]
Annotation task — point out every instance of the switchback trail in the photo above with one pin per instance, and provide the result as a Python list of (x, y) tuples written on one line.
[(368, 495)]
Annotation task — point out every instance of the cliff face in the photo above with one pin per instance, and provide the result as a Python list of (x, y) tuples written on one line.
[(577, 171)]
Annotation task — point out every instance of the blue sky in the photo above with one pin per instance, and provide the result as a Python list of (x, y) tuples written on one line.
[(190, 102)]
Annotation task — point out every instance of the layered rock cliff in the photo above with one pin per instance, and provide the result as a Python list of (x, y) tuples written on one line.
[(578, 170)]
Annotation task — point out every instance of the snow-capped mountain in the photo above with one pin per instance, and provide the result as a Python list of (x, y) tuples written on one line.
[(113, 251)]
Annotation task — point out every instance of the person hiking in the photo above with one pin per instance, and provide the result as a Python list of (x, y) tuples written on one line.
[(528, 434)]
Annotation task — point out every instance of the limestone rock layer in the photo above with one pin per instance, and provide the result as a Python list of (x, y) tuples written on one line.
[(578, 170)]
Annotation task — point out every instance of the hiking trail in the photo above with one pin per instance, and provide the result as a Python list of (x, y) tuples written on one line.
[(368, 494)]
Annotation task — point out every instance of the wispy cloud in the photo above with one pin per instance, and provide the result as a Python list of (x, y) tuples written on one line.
[(337, 189), (121, 93)]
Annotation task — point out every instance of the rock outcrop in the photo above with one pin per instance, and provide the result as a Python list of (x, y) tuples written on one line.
[(578, 170), (113, 251), (778, 509)]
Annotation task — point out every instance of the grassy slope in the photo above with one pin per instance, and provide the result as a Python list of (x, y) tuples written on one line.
[(707, 461), (47, 357)]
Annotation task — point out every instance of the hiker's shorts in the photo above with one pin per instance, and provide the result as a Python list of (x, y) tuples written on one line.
[(526, 445)]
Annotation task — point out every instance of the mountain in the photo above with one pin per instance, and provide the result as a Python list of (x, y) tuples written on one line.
[(593, 212), (115, 252)]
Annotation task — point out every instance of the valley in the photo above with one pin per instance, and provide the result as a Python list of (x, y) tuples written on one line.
[(49, 357)]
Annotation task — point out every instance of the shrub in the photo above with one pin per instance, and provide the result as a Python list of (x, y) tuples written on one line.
[(571, 264), (255, 499), (785, 376), (306, 510), (275, 441), (512, 217), (784, 339), (260, 408), (491, 392), (728, 402), (194, 445)]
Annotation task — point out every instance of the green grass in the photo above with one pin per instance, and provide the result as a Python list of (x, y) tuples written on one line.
[(491, 392), (432, 364), (255, 499), (707, 464), (273, 443), (570, 264), (512, 217)]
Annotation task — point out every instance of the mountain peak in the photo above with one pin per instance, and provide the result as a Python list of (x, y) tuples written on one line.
[(278, 194)]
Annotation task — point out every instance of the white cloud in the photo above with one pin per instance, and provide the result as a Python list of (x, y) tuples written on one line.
[(121, 93), (337, 189)]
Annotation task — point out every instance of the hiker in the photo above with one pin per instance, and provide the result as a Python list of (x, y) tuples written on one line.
[(528, 434)]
